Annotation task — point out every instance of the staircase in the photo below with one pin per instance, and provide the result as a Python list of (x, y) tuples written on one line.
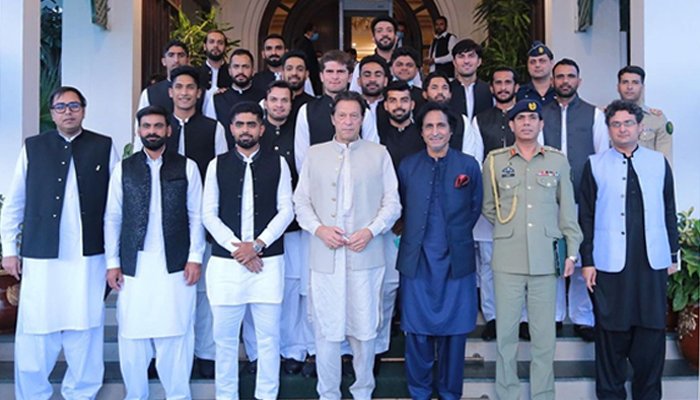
[(573, 369)]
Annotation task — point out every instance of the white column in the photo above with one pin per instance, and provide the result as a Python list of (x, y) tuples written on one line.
[(668, 53), (104, 64), (19, 80)]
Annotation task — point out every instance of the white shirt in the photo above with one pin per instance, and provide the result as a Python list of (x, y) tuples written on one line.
[(228, 282), (601, 140), (447, 58), (472, 143), (154, 241), (302, 140), (75, 283), (220, 145)]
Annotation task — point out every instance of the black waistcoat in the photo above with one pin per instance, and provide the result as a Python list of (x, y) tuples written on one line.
[(457, 138), (298, 101), (441, 48), (136, 188), (48, 160), (224, 102), (262, 79), (579, 134), (494, 129), (223, 80), (483, 99), (230, 173), (200, 133), (318, 114), (399, 144), (280, 141)]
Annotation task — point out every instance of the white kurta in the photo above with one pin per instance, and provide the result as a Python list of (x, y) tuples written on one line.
[(154, 303), (59, 294), (231, 283)]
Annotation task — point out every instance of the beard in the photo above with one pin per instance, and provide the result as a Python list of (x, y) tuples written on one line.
[(246, 141), (153, 144), (377, 90), (386, 47), (400, 118), (296, 86), (241, 80), (506, 100), (273, 62), (567, 92), (215, 57)]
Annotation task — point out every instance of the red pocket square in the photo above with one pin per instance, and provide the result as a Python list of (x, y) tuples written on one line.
[(461, 181)]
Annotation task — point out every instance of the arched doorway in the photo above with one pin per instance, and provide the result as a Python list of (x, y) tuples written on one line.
[(289, 17)]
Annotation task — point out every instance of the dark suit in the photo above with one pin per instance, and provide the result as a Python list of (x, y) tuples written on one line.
[(441, 200), (483, 99)]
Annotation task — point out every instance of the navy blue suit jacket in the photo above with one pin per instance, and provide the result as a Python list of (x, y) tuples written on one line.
[(461, 205)]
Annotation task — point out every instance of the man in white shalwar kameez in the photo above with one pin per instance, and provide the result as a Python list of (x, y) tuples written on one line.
[(56, 205), (247, 206), (346, 197), (154, 242)]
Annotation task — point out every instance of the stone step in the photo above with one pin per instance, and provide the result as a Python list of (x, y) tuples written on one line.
[(569, 348), (574, 380)]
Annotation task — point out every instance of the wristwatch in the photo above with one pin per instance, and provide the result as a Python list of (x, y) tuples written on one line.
[(572, 258), (258, 246)]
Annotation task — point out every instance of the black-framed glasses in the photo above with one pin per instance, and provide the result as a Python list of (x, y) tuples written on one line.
[(60, 108)]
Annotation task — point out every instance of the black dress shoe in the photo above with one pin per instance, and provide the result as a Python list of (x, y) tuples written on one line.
[(291, 366), (524, 331), (489, 332), (309, 368), (347, 366), (585, 332), (206, 368), (251, 368), (152, 371), (559, 327), (377, 364)]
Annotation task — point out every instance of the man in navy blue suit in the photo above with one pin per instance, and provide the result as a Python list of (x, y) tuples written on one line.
[(441, 192)]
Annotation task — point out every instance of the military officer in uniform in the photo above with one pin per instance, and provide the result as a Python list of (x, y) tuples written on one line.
[(529, 197), (657, 130)]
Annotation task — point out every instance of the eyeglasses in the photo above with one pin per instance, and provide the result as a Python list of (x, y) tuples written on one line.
[(629, 123), (60, 108)]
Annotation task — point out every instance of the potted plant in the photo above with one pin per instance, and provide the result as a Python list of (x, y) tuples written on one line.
[(9, 296), (684, 286), (193, 32)]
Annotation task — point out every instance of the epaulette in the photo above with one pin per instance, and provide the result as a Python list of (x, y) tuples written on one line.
[(499, 151), (553, 150), (656, 112)]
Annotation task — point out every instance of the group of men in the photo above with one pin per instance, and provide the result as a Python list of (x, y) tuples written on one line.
[(252, 205)]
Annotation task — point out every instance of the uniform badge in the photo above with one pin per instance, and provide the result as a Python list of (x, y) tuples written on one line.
[(507, 172), (669, 127), (548, 173), (532, 106)]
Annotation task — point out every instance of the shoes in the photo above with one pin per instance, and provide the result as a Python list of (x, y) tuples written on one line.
[(309, 368), (206, 368), (291, 366), (347, 366), (251, 368), (524, 332), (377, 364), (489, 332), (152, 371), (559, 327), (585, 332)]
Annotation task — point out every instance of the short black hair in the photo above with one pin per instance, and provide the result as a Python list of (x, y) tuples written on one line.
[(153, 110), (61, 90), (397, 86), (435, 75), (504, 68), (185, 70), (274, 36), (631, 69), (384, 18), (216, 31), (242, 52), (623, 105), (245, 107), (467, 45), (175, 42), (349, 95), (406, 51), (567, 61), (443, 108), (338, 56), (377, 60), (441, 18), (294, 54), (281, 85)]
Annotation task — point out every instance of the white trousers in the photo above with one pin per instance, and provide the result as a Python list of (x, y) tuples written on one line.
[(227, 326), (296, 334), (204, 347), (484, 251), (329, 367), (173, 362), (580, 307), (390, 289), (35, 357)]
